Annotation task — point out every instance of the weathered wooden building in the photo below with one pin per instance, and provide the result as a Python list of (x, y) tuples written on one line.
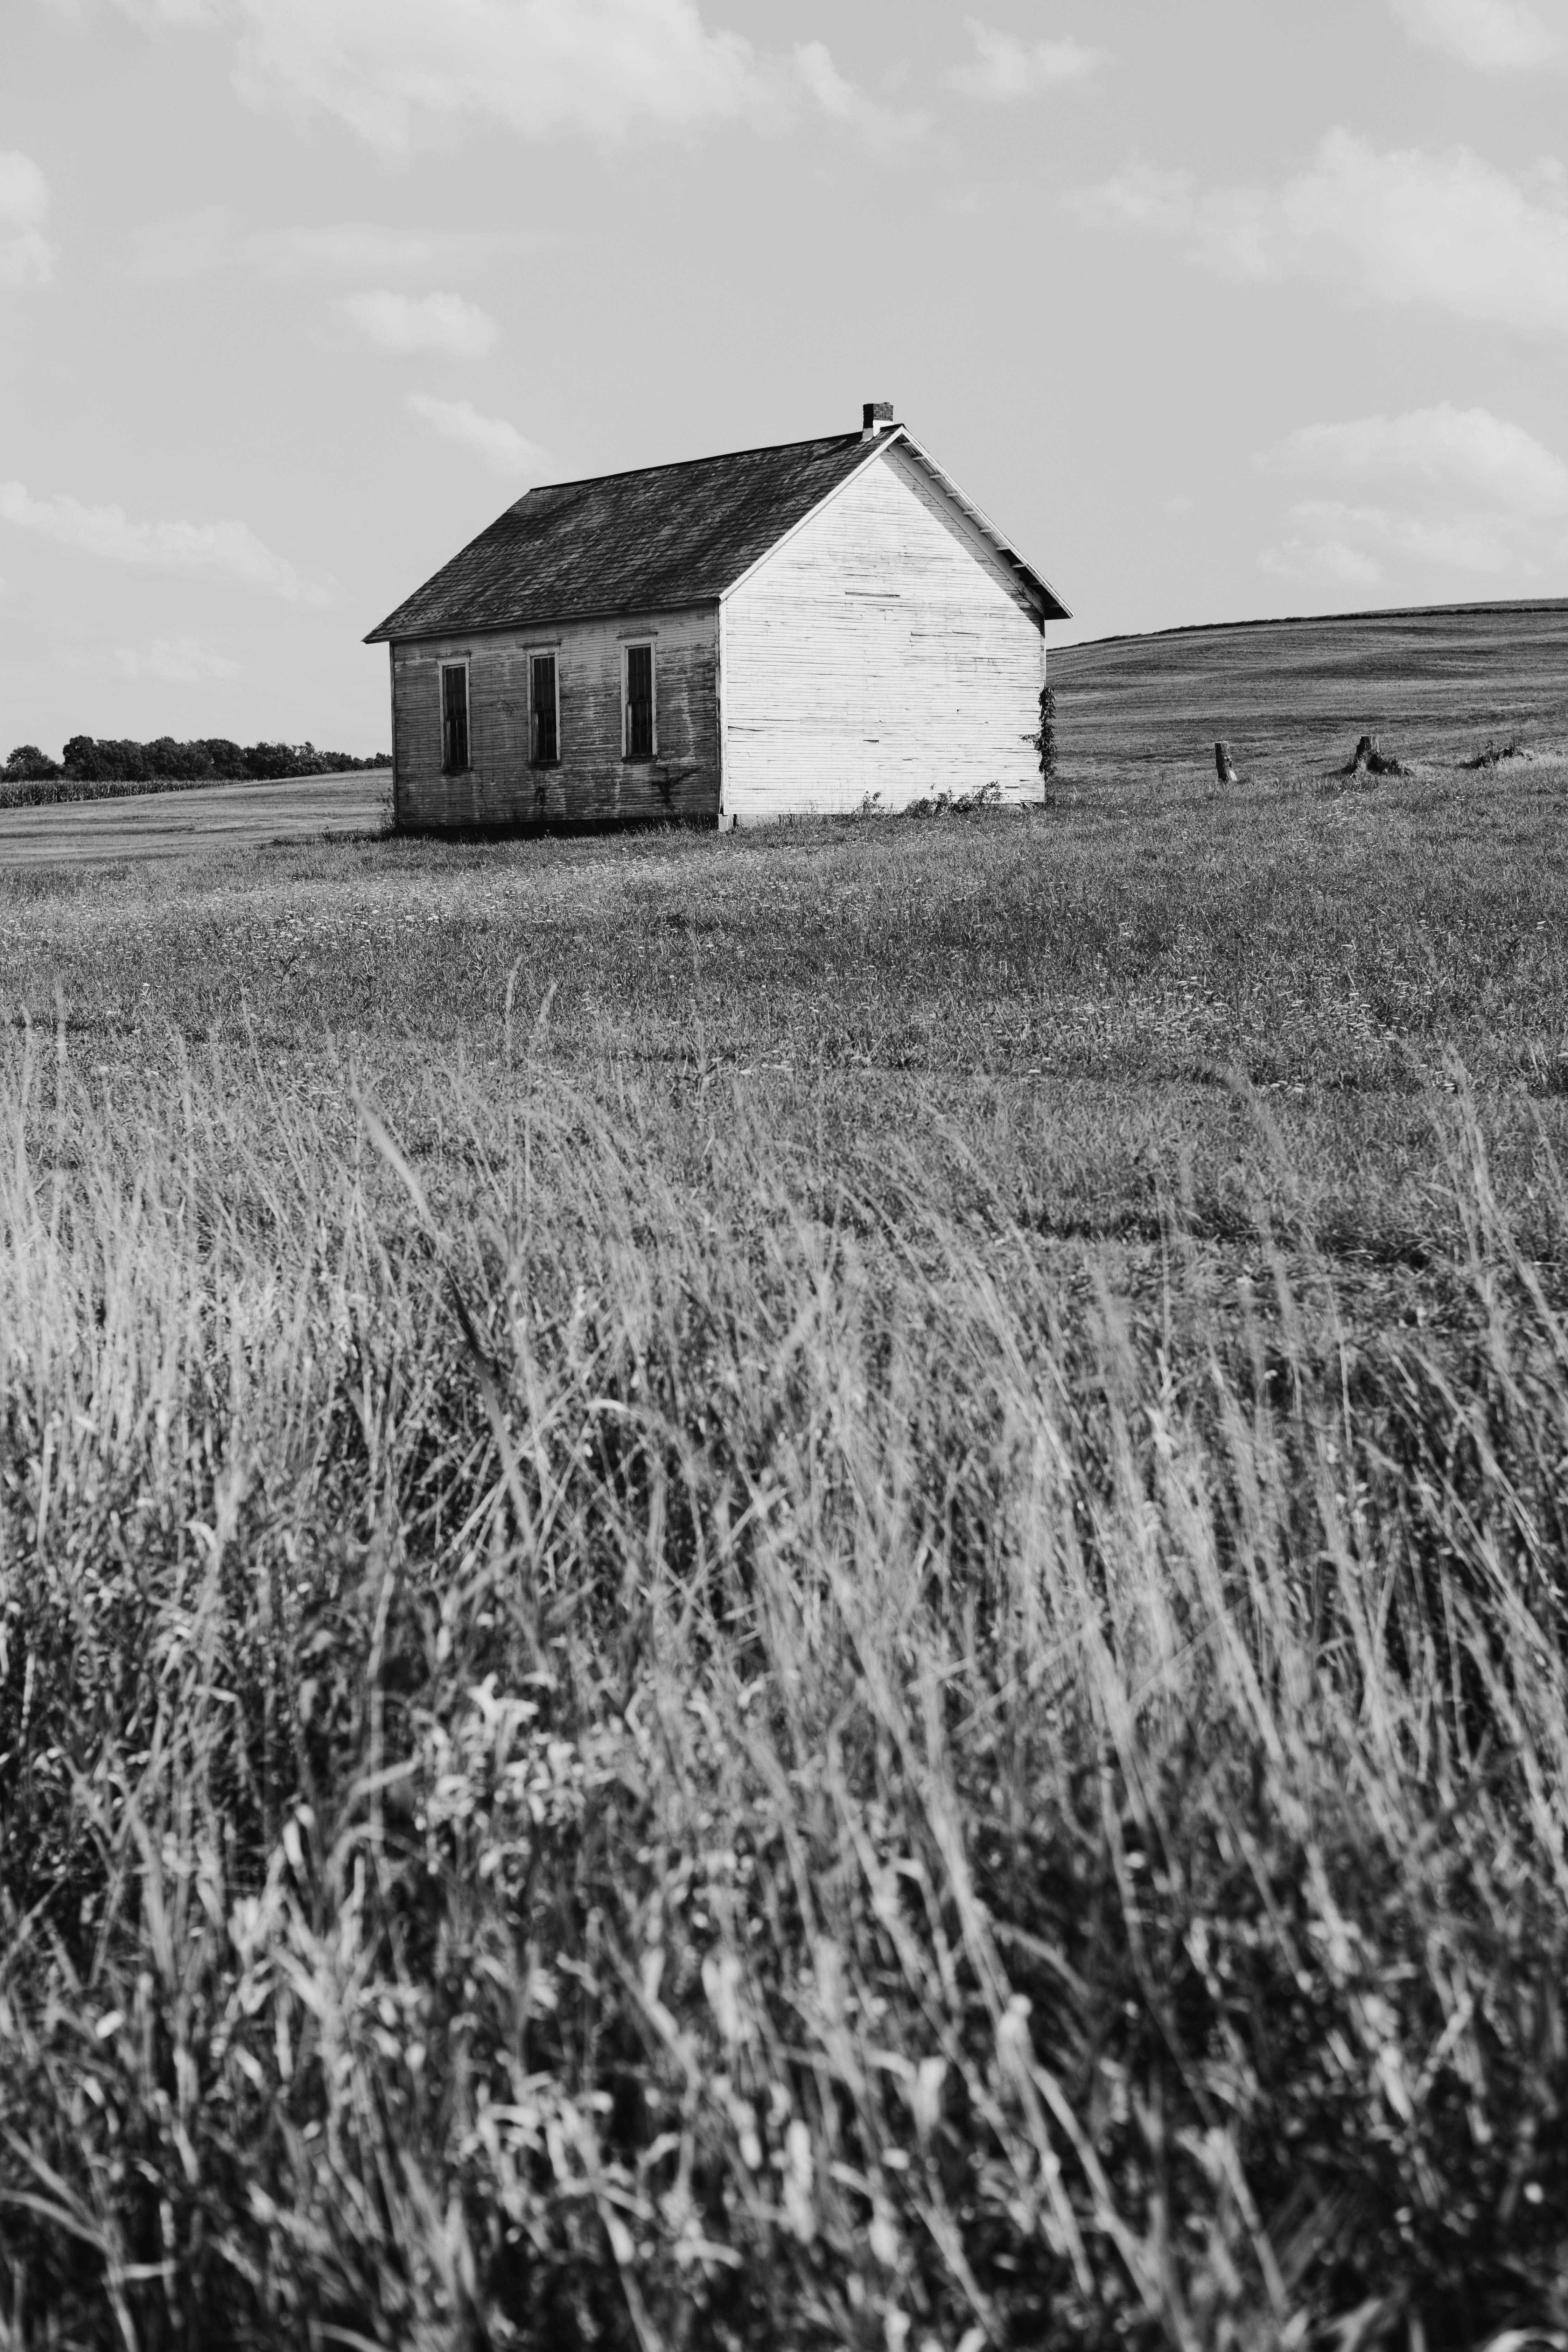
[(738, 638)]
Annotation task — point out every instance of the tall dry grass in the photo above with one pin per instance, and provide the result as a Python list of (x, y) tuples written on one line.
[(611, 1735)]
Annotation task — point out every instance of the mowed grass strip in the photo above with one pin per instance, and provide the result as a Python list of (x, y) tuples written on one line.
[(115, 823), (1440, 686)]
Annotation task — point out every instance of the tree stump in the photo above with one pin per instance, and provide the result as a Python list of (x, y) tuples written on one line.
[(1370, 760), (1223, 765)]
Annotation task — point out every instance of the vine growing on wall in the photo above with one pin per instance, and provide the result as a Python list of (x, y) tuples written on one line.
[(1044, 741)]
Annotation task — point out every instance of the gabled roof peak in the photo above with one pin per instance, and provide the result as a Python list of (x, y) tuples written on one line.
[(653, 539)]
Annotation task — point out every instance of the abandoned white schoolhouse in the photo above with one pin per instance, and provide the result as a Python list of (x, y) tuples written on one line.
[(738, 638)]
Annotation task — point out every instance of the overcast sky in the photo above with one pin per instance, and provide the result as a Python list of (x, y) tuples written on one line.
[(1219, 306)]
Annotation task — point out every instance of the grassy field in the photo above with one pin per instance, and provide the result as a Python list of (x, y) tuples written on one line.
[(1436, 685), (191, 819), (798, 1588)]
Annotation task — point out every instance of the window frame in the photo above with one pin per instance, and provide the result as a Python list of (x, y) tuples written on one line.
[(457, 661), (553, 656), (648, 644)]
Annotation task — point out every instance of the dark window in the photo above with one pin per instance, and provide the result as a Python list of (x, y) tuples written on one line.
[(546, 739), (455, 716), (639, 702)]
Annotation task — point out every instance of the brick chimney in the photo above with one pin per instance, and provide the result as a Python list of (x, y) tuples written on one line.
[(875, 417)]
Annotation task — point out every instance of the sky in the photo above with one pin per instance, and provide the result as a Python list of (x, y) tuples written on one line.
[(1219, 308)]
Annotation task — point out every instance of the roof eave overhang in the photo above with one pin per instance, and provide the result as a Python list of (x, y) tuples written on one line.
[(1037, 587), (389, 634), (1037, 590)]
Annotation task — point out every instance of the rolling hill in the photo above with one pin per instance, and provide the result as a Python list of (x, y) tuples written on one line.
[(1436, 685)]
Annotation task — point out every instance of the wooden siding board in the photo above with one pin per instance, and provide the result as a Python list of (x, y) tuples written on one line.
[(724, 709), (883, 649), (592, 781), (398, 816)]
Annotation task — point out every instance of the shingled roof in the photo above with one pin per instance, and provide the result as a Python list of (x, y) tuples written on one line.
[(648, 541)]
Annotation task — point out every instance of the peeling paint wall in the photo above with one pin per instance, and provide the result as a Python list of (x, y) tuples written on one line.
[(592, 781)]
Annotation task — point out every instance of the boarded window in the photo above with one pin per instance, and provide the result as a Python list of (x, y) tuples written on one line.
[(640, 735), (454, 716), (546, 733)]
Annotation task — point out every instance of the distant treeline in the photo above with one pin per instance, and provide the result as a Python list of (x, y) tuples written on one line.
[(99, 761)]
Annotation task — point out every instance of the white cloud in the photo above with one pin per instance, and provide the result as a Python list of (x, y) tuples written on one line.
[(1494, 36), (368, 249), (1445, 232), (229, 553), (842, 102), (496, 444), (1007, 67), (1347, 542), (182, 247), (1466, 452), (173, 660), (405, 75), (26, 256), (1453, 490), (171, 16), (1163, 204), (199, 241), (1328, 560), (444, 324)]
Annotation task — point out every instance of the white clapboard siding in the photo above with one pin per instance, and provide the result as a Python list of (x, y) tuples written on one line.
[(883, 648)]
